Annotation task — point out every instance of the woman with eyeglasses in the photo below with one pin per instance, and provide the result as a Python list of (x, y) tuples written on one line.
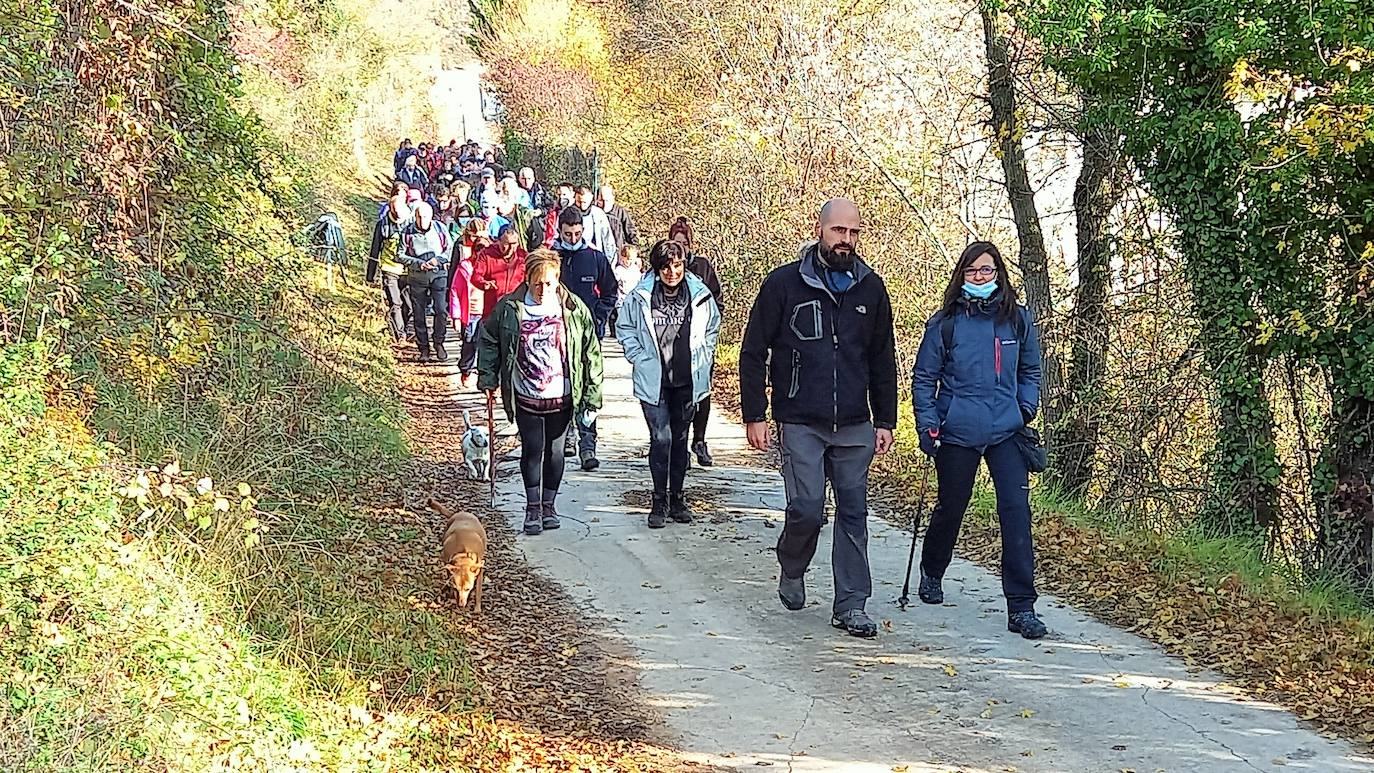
[(975, 385)]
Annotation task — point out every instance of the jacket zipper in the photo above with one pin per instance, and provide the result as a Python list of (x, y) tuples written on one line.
[(997, 354), (835, 366)]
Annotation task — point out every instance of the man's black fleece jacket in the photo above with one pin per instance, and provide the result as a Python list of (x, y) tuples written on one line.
[(830, 357)]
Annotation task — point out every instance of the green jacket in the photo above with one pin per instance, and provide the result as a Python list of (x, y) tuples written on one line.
[(501, 335)]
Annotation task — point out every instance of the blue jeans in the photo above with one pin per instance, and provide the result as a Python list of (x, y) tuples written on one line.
[(586, 435), (669, 422), (955, 469)]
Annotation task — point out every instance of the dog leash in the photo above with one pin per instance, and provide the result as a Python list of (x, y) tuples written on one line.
[(491, 447)]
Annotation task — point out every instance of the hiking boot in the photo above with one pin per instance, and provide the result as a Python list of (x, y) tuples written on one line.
[(534, 519), (792, 591), (424, 355), (678, 509), (703, 454), (855, 622), (589, 460), (658, 514), (930, 590), (440, 353), (550, 520), (1028, 624)]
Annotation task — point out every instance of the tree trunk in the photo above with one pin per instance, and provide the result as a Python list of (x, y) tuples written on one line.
[(1345, 493), (1033, 260), (1095, 194)]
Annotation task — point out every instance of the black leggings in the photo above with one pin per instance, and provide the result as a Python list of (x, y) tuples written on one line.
[(700, 420), (541, 451)]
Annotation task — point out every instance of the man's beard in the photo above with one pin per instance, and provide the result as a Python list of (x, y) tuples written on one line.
[(840, 261)]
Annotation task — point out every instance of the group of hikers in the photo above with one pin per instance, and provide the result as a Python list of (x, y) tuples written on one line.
[(533, 282)]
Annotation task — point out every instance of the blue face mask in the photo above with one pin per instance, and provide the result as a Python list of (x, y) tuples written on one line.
[(982, 291)]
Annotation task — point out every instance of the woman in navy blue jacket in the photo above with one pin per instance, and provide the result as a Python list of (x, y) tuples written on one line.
[(975, 385)]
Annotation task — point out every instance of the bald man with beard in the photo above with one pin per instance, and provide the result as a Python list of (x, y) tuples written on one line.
[(820, 331)]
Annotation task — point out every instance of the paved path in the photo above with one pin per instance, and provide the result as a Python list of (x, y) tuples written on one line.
[(745, 684)]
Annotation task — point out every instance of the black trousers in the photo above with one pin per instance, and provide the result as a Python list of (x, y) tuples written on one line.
[(955, 469), (428, 290)]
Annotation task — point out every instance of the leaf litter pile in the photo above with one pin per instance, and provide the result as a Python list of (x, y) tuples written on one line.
[(550, 691), (1319, 666)]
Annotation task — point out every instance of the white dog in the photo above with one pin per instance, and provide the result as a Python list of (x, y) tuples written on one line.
[(475, 449)]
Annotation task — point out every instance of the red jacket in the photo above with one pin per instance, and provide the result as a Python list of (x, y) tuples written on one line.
[(551, 227), (497, 274)]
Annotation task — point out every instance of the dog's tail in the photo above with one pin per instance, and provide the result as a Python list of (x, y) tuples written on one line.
[(434, 505), (467, 419)]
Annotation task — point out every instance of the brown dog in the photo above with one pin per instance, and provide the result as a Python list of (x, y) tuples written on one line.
[(464, 554)]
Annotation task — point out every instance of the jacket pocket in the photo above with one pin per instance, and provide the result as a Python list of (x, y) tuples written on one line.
[(796, 375)]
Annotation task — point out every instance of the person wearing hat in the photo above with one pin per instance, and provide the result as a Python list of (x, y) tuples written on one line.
[(425, 250), (382, 261), (539, 348), (412, 174), (668, 326), (486, 181)]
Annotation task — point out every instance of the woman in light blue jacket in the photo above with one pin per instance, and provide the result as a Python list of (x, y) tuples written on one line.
[(668, 326)]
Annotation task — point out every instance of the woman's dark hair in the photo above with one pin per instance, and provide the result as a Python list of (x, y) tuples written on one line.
[(684, 226), (665, 252), (1006, 298)]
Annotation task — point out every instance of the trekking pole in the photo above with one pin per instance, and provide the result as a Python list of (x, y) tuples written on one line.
[(491, 447), (915, 527)]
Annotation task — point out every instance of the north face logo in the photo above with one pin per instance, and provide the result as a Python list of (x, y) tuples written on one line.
[(861, 309)]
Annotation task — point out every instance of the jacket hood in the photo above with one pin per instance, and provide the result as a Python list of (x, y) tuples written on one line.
[(695, 287), (810, 267), (566, 299)]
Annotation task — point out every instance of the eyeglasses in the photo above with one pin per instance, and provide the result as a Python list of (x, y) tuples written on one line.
[(980, 271)]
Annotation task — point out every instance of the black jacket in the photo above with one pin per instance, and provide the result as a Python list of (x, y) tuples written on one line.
[(622, 226), (413, 177), (830, 358), (706, 272), (588, 275)]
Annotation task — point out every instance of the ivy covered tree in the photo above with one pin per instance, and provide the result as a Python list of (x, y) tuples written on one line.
[(1251, 124)]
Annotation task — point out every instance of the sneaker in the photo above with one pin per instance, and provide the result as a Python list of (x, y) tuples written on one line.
[(424, 355), (930, 590), (440, 353), (855, 622), (534, 519), (1028, 624), (703, 454), (678, 509), (466, 380), (792, 591), (658, 514), (589, 461)]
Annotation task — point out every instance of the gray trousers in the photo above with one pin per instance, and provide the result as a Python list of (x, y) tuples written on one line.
[(810, 455)]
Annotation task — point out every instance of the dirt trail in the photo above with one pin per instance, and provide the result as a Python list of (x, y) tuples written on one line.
[(563, 694)]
